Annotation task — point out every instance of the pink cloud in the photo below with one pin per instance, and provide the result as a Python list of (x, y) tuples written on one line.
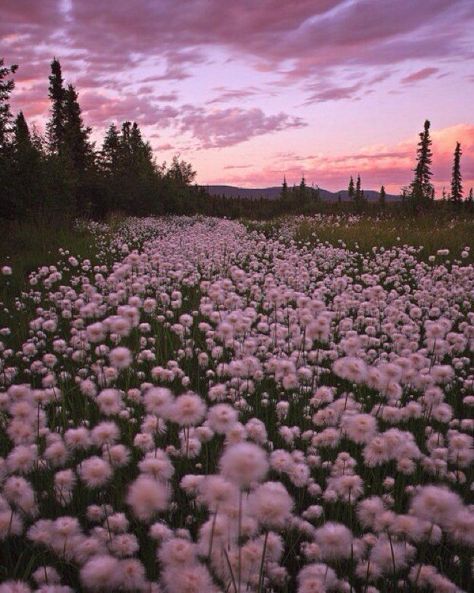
[(99, 109), (314, 36), (377, 165), (228, 95), (227, 127), (419, 75)]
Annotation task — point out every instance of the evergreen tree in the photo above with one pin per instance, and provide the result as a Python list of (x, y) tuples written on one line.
[(456, 180), (110, 153), (470, 197), (27, 168), (180, 172), (57, 95), (284, 189), (7, 179), (350, 189), (382, 197), (422, 190), (7, 85), (358, 197), (302, 189), (76, 142)]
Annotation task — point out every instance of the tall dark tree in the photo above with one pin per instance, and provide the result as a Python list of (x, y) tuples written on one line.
[(7, 178), (181, 172), (302, 188), (284, 189), (28, 168), (7, 84), (57, 95), (422, 190), (358, 191), (456, 179), (350, 189), (382, 196), (76, 142), (110, 153)]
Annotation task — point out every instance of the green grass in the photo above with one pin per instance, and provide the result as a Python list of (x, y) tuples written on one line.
[(25, 246), (365, 233), (29, 244)]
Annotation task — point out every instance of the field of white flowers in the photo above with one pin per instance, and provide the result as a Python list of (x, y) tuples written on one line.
[(210, 409)]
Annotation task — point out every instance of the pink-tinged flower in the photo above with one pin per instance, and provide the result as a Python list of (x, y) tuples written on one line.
[(187, 410), (133, 577), (101, 573), (271, 505), (244, 463), (217, 492), (105, 433), (436, 504), (110, 402), (388, 555), (120, 357), (177, 552), (188, 579), (221, 417), (316, 578), (147, 497), (359, 428), (158, 401), (334, 540), (10, 524), (95, 472), (157, 464)]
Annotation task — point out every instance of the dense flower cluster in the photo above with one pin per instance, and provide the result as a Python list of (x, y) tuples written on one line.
[(208, 409)]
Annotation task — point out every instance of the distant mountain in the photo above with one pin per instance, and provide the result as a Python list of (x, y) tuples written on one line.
[(272, 193)]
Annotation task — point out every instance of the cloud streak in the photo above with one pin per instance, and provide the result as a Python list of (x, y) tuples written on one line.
[(227, 127)]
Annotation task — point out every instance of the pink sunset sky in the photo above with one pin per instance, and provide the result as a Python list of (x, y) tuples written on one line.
[(250, 90)]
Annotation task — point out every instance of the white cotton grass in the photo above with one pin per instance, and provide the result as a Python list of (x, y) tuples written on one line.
[(244, 464), (147, 497), (206, 407)]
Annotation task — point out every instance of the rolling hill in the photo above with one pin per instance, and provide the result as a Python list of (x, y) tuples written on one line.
[(272, 193)]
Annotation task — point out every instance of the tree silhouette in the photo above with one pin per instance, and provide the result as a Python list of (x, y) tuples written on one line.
[(456, 180), (350, 189), (422, 191), (382, 197), (57, 92)]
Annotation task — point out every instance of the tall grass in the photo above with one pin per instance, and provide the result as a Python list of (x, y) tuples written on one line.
[(364, 233)]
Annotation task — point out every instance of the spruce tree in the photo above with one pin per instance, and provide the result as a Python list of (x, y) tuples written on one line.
[(350, 189), (75, 135), (28, 168), (456, 180), (110, 153), (7, 85), (284, 189), (382, 197), (422, 190), (57, 95), (302, 189), (358, 192)]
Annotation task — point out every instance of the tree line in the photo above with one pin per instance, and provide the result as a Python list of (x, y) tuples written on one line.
[(418, 196), (62, 175)]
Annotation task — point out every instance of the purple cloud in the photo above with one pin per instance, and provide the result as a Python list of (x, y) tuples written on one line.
[(227, 127), (419, 75)]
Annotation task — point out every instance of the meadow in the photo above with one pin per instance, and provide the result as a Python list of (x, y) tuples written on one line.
[(194, 405)]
